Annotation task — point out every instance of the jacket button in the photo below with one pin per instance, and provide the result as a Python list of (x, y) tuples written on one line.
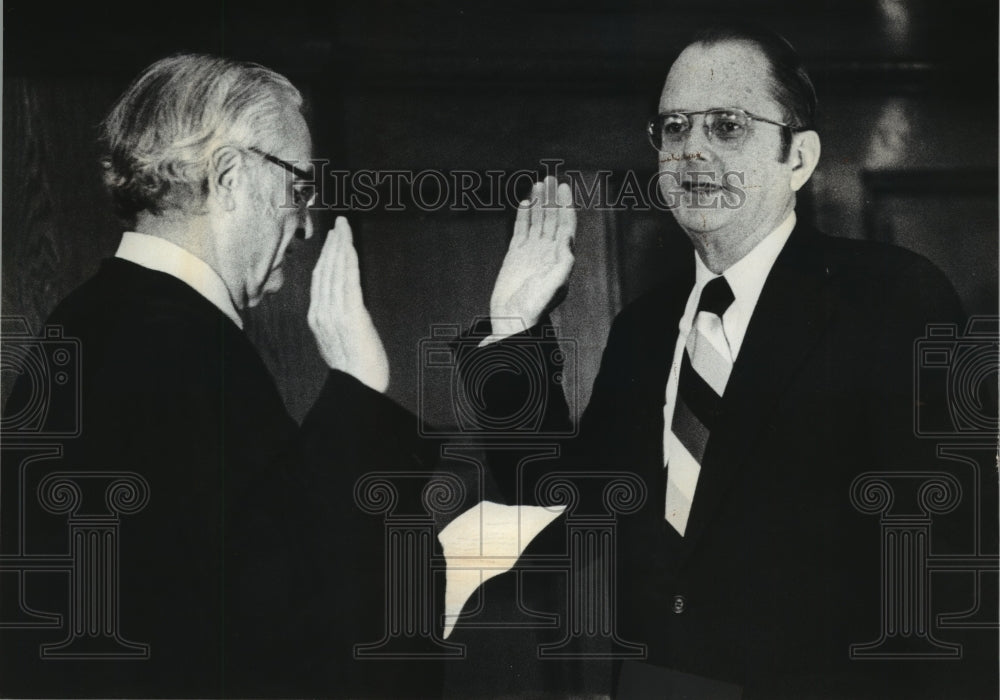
[(679, 604)]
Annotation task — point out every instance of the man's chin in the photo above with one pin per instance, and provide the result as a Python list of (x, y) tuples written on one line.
[(275, 281), (701, 219)]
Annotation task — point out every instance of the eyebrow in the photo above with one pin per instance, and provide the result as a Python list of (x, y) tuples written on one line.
[(699, 111)]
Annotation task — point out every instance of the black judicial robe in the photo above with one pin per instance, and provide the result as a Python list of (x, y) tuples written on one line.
[(250, 571)]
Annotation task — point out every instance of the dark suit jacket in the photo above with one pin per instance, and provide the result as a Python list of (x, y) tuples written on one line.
[(778, 574), (251, 571)]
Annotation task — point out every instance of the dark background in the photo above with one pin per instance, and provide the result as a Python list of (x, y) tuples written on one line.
[(908, 102)]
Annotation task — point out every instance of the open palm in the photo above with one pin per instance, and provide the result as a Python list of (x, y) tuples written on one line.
[(345, 334), (538, 262)]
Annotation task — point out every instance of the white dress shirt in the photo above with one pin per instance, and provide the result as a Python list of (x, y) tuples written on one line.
[(155, 253), (746, 278)]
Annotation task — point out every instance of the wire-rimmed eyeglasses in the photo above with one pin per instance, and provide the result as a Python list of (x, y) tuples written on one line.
[(727, 127), (304, 193)]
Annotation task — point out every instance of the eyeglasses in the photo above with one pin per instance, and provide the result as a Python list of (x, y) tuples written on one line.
[(304, 193), (726, 127)]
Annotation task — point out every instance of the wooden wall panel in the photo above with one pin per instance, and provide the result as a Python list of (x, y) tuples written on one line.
[(442, 86), (57, 224), (56, 220)]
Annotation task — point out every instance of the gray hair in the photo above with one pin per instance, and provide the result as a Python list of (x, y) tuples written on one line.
[(160, 135)]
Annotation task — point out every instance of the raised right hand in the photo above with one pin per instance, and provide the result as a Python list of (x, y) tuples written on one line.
[(345, 334), (538, 262)]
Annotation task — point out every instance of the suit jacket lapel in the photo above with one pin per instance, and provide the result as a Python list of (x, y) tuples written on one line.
[(788, 321), (651, 341), (658, 354)]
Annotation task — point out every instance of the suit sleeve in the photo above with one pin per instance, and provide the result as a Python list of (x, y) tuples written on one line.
[(520, 376), (355, 425), (919, 298)]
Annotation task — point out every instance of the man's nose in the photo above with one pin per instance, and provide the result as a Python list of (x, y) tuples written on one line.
[(697, 145), (305, 229)]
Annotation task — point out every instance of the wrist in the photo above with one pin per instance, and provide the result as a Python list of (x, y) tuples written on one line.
[(504, 325)]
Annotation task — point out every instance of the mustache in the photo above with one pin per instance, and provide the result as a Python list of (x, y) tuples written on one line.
[(680, 157)]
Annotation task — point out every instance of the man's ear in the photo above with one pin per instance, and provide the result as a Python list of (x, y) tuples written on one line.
[(224, 173), (803, 156)]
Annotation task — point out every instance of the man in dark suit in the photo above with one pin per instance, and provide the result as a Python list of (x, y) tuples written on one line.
[(747, 393), (250, 570)]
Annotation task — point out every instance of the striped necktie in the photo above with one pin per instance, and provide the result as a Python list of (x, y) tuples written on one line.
[(705, 368)]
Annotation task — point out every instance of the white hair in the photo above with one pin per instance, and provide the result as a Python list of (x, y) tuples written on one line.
[(160, 135)]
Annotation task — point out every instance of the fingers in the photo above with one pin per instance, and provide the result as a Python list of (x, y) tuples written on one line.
[(521, 224), (548, 215), (537, 210), (324, 261), (328, 279), (319, 287), (351, 273), (341, 232), (566, 217), (315, 282), (550, 212)]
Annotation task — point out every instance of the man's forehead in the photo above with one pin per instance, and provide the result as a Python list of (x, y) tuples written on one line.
[(725, 74), (294, 138), (302, 143)]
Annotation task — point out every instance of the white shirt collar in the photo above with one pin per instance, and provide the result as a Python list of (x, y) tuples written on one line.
[(155, 253), (746, 278)]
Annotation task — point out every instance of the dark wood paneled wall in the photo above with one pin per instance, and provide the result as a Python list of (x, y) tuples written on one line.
[(446, 86), (56, 220)]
